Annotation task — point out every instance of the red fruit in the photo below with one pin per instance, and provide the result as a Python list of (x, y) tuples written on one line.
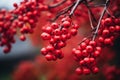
[(107, 41), (83, 45), (87, 60), (85, 53), (95, 70), (96, 53), (44, 51), (105, 32), (49, 57), (45, 36), (77, 53), (48, 30), (82, 62), (58, 52), (57, 38), (57, 32), (64, 30), (86, 71), (73, 32), (64, 37), (92, 43), (50, 48), (101, 39), (89, 49), (61, 44), (76, 26), (6, 50), (108, 21), (66, 24), (98, 48), (79, 71), (92, 59), (54, 25), (117, 28), (112, 29), (22, 38)]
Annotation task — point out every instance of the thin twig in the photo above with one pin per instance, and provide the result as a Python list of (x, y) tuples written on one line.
[(65, 10), (96, 5), (58, 4), (75, 6), (91, 16), (99, 22), (85, 39)]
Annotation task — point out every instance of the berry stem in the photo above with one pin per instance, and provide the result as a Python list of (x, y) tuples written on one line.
[(99, 22), (58, 4), (65, 10), (91, 15), (75, 6)]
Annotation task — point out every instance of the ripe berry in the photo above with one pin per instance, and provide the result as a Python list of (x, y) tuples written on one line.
[(45, 36), (79, 71), (22, 38), (89, 49)]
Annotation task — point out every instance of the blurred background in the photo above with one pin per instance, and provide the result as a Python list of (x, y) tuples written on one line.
[(21, 51)]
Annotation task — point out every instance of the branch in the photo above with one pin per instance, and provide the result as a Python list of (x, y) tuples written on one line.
[(99, 22), (65, 10), (75, 6), (58, 4)]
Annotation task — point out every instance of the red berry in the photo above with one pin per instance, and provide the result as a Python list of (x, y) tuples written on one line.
[(45, 36), (44, 51), (95, 70), (86, 71), (73, 32), (79, 71), (107, 41), (22, 38), (66, 24), (49, 57), (89, 49)]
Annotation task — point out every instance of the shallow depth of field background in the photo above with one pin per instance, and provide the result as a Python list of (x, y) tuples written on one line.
[(21, 51)]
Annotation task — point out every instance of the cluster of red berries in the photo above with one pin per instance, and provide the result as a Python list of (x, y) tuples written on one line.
[(89, 50), (109, 31), (26, 15), (85, 54), (7, 31), (23, 18), (57, 35)]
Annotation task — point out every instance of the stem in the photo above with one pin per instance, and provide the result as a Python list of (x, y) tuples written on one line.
[(65, 10), (99, 22), (75, 6), (58, 4), (90, 14), (96, 5)]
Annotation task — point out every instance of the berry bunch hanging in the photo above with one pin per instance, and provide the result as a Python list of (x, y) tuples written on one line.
[(57, 35)]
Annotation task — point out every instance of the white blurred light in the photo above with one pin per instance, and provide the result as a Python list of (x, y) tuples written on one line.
[(8, 3)]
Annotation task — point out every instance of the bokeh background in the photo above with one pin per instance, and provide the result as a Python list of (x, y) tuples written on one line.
[(21, 51)]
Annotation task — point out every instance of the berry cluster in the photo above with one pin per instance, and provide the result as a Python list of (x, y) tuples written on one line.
[(89, 50), (22, 18), (27, 15), (57, 36), (7, 30), (85, 54), (109, 31)]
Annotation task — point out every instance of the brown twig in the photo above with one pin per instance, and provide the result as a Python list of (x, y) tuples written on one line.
[(57, 4)]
